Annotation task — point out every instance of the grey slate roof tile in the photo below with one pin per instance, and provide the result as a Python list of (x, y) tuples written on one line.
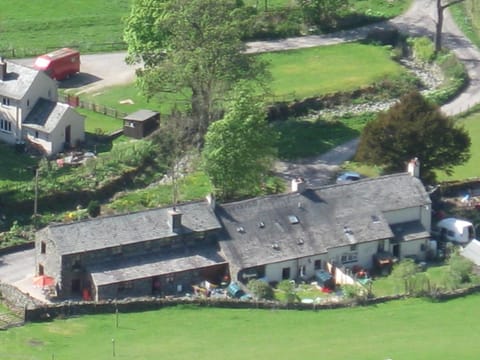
[(330, 216), (17, 81), (111, 231)]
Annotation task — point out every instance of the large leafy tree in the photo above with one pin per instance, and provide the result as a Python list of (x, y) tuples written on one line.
[(192, 48), (240, 148), (414, 127)]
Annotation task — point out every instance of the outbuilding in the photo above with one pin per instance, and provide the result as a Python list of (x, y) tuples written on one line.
[(140, 123)]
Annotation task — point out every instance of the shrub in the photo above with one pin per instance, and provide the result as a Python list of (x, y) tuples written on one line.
[(260, 289), (288, 288), (93, 208), (423, 48), (460, 268)]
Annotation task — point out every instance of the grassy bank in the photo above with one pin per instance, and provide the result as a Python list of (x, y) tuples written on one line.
[(416, 329), (33, 27), (470, 168)]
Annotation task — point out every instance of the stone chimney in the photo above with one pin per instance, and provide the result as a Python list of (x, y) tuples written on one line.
[(175, 220), (413, 167), (3, 69), (298, 185)]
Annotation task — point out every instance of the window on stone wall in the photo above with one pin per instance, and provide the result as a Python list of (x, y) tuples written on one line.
[(317, 264), (43, 247), (41, 270), (286, 273)]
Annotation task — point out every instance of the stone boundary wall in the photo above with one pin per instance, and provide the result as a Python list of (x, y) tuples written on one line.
[(15, 248), (17, 299), (68, 309)]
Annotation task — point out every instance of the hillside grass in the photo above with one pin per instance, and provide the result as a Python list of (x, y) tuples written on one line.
[(470, 169), (408, 329), (34, 27), (96, 26)]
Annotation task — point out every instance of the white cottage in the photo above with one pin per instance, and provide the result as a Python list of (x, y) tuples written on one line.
[(29, 111)]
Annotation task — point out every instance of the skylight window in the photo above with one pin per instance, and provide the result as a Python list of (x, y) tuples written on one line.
[(293, 219)]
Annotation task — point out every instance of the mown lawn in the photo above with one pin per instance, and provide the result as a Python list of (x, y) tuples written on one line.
[(328, 69), (471, 168), (409, 329), (38, 25), (296, 74)]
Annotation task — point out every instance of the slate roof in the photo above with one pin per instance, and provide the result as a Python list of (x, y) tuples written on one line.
[(45, 115), (111, 231), (260, 231), (155, 265), (141, 115), (17, 81)]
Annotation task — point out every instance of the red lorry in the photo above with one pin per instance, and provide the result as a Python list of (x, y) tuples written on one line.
[(59, 64)]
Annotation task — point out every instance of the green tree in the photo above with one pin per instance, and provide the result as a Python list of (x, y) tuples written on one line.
[(322, 13), (145, 32), (192, 48), (405, 272), (240, 148), (260, 289), (412, 128)]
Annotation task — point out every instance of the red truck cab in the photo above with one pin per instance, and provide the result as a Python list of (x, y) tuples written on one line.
[(59, 64)]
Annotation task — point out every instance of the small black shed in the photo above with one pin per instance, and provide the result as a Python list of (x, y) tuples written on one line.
[(140, 123)]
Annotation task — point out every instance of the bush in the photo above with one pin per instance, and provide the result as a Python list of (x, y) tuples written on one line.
[(93, 208), (260, 289), (288, 288), (423, 49), (460, 268)]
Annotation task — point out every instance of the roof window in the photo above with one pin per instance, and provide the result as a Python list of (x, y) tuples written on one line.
[(293, 219)]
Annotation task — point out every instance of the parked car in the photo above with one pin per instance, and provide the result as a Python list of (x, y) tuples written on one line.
[(454, 230), (348, 176)]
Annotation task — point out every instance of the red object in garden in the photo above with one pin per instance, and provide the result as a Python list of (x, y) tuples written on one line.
[(43, 280)]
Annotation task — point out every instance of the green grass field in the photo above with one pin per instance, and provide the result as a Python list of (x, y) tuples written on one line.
[(91, 25), (471, 168), (328, 69), (38, 25), (296, 74), (409, 329)]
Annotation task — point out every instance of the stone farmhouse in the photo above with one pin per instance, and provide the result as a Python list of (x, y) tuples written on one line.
[(362, 224), (30, 113), (287, 236)]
